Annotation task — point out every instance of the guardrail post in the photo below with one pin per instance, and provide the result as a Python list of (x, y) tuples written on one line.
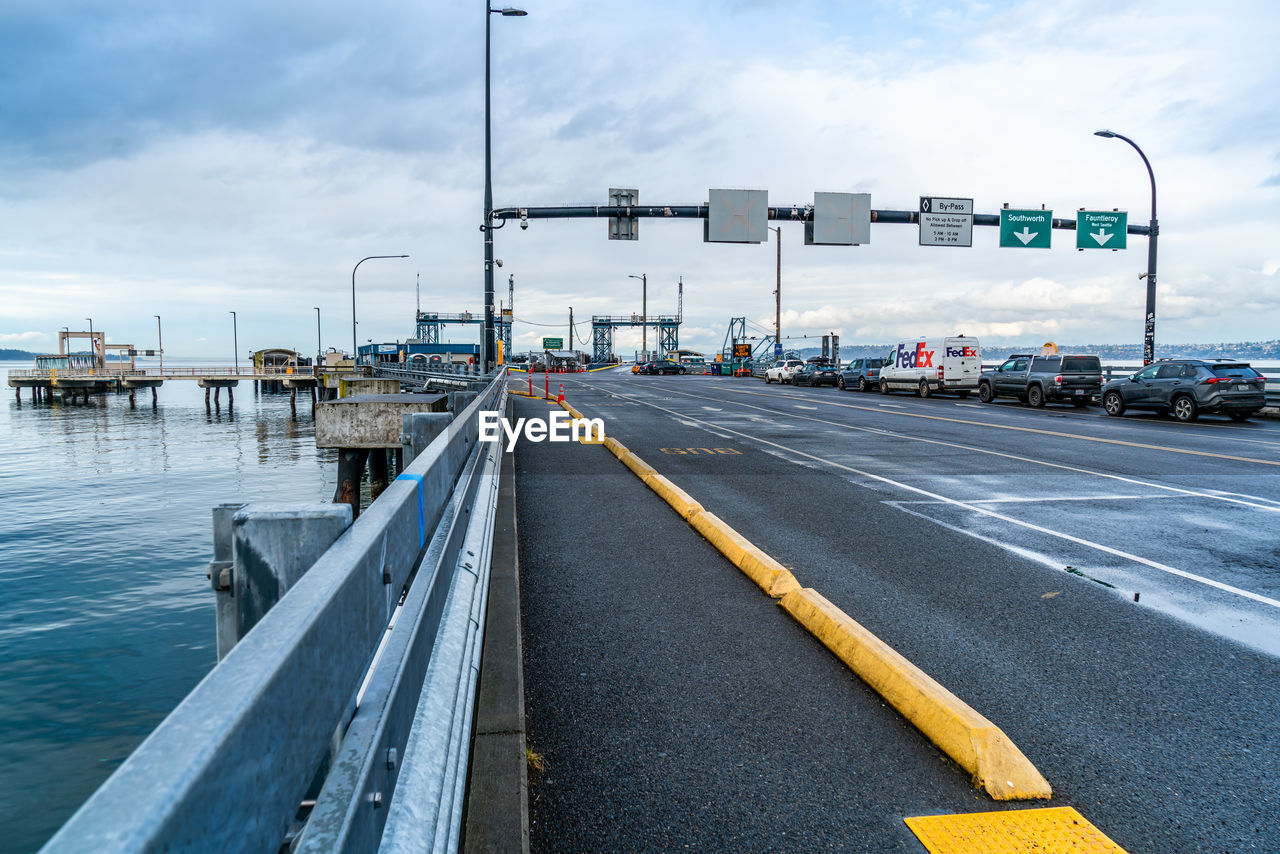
[(272, 546), (460, 400), (220, 569), (417, 430)]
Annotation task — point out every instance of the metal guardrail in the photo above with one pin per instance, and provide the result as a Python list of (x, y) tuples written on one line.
[(464, 378), (229, 768)]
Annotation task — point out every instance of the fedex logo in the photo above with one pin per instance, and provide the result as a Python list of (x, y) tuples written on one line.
[(913, 357), (961, 351)]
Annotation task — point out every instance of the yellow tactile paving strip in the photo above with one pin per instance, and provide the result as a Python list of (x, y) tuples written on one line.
[(1055, 830)]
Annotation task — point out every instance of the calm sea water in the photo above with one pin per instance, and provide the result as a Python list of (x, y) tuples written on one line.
[(106, 617)]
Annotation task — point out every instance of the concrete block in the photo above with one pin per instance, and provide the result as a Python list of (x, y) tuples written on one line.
[(370, 420), (349, 387)]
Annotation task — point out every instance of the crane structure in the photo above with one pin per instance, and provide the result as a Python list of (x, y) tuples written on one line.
[(602, 326)]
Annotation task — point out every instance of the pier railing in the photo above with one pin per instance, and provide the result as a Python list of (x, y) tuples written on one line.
[(341, 721), (109, 373)]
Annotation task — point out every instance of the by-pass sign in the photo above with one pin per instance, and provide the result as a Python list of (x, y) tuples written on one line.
[(946, 222)]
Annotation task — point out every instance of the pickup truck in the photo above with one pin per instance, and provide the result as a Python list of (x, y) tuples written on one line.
[(1037, 380), (782, 372)]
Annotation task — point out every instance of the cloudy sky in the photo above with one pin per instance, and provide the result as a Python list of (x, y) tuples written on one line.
[(190, 159)]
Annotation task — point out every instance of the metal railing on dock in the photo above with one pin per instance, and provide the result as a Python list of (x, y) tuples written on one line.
[(355, 689)]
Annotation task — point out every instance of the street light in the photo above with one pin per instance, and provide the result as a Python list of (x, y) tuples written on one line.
[(319, 346), (1149, 336), (487, 354), (777, 308), (355, 348), (235, 343), (644, 314), (160, 339)]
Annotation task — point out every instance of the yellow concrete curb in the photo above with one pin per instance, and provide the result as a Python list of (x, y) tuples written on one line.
[(679, 500), (976, 744), (639, 467), (772, 577)]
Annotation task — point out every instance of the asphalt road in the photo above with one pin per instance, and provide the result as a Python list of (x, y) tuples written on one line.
[(999, 548)]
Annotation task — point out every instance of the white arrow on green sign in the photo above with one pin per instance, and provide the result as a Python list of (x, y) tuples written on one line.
[(1102, 229), (1031, 229)]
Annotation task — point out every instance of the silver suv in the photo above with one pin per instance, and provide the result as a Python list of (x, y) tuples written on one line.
[(1188, 387)]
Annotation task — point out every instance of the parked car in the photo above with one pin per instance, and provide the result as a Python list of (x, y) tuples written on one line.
[(1035, 380), (782, 371), (816, 374), (927, 365), (862, 374), (1188, 387), (662, 367)]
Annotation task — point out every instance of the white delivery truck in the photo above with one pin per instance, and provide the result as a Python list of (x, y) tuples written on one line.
[(926, 365)]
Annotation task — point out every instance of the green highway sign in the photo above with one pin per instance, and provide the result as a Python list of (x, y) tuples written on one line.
[(1102, 229), (552, 343), (1030, 229)]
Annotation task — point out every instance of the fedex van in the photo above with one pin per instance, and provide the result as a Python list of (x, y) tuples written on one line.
[(926, 365)]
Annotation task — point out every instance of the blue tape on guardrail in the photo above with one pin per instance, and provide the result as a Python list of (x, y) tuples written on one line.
[(422, 513)]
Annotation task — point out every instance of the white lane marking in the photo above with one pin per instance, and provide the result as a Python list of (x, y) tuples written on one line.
[(969, 405), (1057, 498), (1026, 414), (1162, 567), (712, 409), (1271, 506), (892, 405), (802, 406)]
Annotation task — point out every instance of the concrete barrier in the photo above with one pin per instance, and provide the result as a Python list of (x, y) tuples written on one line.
[(976, 744)]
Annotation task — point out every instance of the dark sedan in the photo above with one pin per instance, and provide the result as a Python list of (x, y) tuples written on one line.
[(816, 373), (663, 367)]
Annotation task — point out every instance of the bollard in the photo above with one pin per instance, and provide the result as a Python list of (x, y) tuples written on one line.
[(530, 376), (546, 379)]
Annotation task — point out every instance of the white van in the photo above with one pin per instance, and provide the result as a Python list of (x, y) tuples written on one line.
[(926, 365)]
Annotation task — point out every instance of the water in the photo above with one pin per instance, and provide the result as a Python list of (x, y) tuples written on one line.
[(106, 616)]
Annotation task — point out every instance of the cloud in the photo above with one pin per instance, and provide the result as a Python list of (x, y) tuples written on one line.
[(244, 156), (20, 340)]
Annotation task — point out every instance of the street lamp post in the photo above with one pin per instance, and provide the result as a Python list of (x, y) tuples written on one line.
[(160, 341), (319, 346), (487, 355), (777, 295), (235, 343), (355, 349), (644, 314), (1149, 335)]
